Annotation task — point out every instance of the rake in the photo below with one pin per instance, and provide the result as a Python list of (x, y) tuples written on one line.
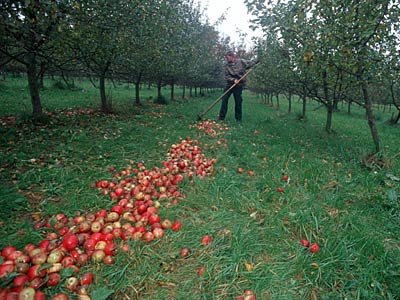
[(200, 116)]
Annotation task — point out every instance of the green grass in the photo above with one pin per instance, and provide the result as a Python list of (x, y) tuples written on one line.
[(350, 209)]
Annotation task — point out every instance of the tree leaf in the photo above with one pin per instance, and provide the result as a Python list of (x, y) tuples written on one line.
[(392, 177), (101, 293), (67, 272), (392, 196)]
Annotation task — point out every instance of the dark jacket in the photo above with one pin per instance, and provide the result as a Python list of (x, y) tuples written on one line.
[(235, 70)]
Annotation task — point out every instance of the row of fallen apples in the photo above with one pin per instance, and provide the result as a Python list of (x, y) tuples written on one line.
[(72, 242)]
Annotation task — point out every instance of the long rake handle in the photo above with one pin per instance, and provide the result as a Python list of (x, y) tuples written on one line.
[(226, 92)]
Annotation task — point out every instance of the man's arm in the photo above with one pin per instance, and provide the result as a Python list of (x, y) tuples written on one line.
[(248, 64)]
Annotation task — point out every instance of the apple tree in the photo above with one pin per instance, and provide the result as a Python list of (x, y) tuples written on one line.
[(28, 30)]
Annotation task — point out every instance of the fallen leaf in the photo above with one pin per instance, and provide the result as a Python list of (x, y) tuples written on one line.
[(314, 295), (330, 185), (249, 266), (315, 265)]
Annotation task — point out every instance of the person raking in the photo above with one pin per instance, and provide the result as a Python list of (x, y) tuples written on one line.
[(235, 68)]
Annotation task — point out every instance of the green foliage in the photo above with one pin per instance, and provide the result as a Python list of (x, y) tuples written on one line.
[(329, 53), (330, 198)]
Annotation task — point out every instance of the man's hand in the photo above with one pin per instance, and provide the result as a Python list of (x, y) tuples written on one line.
[(236, 81)]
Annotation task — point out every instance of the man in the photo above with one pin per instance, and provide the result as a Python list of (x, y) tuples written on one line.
[(235, 68)]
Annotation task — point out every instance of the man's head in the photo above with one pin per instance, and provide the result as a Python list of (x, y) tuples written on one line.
[(230, 56)]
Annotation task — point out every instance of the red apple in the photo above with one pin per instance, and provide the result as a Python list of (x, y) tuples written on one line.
[(70, 241), (54, 279), (20, 280), (185, 252), (205, 240)]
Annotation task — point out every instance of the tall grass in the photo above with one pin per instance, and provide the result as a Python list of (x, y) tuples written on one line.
[(351, 209)]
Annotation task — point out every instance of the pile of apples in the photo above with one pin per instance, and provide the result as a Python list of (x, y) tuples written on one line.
[(72, 242), (211, 128), (184, 159)]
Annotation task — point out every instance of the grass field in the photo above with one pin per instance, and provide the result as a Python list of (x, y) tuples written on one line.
[(332, 196)]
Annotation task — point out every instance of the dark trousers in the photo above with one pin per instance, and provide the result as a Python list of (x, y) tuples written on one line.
[(237, 95)]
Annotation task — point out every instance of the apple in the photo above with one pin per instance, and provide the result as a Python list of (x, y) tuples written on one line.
[(100, 245), (40, 295), (60, 296), (54, 268), (185, 252), (55, 257), (39, 258), (36, 271), (21, 268), (71, 283), (8, 251), (249, 295), (79, 219), (176, 226), (27, 293), (86, 278), (158, 232), (148, 236), (20, 280), (206, 240), (166, 224), (67, 261), (84, 226), (314, 248), (36, 283), (43, 245), (96, 226), (98, 255), (70, 241), (118, 209), (112, 216), (109, 260), (54, 279)]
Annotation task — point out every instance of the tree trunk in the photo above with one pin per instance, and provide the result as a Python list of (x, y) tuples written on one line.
[(349, 107), (303, 114), (41, 74), (183, 91), (394, 121), (329, 104), (37, 110), (137, 88), (172, 90), (105, 106), (159, 89), (370, 116), (137, 93), (290, 103), (338, 96), (367, 100)]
